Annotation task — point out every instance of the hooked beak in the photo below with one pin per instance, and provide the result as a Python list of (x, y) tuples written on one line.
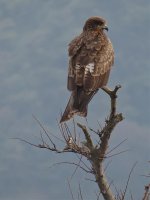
[(105, 27)]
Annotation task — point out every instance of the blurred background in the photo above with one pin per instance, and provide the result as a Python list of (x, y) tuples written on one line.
[(34, 37)]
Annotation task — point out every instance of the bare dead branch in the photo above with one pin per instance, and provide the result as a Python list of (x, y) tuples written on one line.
[(113, 96), (116, 146), (94, 153), (62, 131), (131, 195), (103, 183), (112, 121), (92, 130), (44, 131), (70, 190), (83, 163), (98, 155), (107, 130), (41, 137), (147, 176), (74, 131), (80, 192), (22, 140), (45, 146), (115, 154), (98, 196), (76, 167), (87, 135), (76, 164), (107, 165), (88, 179), (124, 193), (147, 192)]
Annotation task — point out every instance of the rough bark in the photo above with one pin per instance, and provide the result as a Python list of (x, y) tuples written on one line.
[(95, 153)]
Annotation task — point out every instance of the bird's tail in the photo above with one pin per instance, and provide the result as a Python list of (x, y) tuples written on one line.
[(78, 104)]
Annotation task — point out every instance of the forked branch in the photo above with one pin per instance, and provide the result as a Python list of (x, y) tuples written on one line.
[(94, 153)]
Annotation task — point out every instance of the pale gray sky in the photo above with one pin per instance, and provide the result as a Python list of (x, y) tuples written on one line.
[(33, 70)]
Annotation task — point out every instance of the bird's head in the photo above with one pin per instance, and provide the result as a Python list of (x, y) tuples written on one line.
[(95, 24)]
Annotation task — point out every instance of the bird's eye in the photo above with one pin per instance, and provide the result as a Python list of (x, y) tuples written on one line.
[(95, 25)]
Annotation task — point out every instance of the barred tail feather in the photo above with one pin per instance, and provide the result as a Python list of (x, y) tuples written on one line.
[(70, 110), (78, 104)]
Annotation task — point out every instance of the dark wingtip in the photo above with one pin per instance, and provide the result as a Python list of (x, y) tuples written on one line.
[(63, 120), (68, 115)]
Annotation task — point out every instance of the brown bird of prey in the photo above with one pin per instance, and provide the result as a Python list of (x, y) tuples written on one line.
[(91, 57)]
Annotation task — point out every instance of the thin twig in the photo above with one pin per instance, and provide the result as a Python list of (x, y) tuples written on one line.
[(98, 195), (70, 190), (69, 133), (42, 138), (96, 132), (76, 168), (74, 130), (44, 131), (107, 165), (124, 193), (116, 146), (88, 179), (45, 146), (80, 192), (63, 133), (131, 195), (22, 140), (115, 154), (72, 163), (87, 135), (84, 163)]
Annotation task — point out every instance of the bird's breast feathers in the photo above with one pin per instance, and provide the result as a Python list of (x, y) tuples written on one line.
[(91, 57)]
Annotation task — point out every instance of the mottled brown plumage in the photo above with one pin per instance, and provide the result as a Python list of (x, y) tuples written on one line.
[(91, 57)]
